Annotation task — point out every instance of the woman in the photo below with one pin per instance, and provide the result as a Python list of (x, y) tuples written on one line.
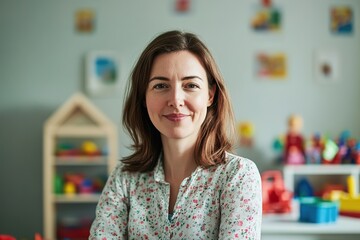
[(180, 182)]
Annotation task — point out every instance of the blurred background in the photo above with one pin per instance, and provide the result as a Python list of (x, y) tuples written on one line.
[(45, 47)]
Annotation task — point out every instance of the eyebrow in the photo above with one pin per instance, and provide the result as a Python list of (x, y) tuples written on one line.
[(167, 79)]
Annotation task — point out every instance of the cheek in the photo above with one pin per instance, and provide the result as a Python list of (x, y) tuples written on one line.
[(153, 105), (199, 105)]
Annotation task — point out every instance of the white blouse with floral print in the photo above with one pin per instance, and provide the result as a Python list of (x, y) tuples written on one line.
[(220, 202)]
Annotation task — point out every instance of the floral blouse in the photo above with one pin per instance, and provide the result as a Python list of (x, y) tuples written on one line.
[(221, 202)]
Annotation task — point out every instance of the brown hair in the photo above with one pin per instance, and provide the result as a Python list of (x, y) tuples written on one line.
[(215, 137)]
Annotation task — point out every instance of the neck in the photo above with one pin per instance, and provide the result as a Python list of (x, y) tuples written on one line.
[(179, 160)]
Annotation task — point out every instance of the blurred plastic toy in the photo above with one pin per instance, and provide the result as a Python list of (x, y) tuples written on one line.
[(246, 133), (58, 185), (69, 188), (318, 149), (314, 149), (331, 152), (73, 228), (357, 153), (38, 237), (350, 201), (303, 188), (90, 148), (6, 237), (317, 210), (294, 152), (67, 149), (87, 148), (276, 199)]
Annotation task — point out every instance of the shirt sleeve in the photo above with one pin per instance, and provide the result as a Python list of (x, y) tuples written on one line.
[(112, 209), (241, 202)]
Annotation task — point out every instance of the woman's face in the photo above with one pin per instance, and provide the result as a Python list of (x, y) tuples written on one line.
[(178, 95)]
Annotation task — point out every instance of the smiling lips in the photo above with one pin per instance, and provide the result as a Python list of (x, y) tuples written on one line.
[(175, 117)]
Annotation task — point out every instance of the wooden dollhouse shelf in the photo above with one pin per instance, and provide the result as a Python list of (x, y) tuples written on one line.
[(80, 131), (78, 119), (80, 160), (76, 198)]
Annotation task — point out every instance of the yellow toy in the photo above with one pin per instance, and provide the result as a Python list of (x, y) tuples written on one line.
[(246, 133), (89, 148), (69, 188), (350, 201)]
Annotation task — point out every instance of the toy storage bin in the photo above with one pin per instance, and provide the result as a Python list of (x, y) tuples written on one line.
[(316, 210)]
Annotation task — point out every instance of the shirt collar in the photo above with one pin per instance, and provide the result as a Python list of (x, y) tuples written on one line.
[(159, 174)]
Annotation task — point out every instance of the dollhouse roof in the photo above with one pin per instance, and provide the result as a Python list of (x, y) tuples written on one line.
[(78, 111)]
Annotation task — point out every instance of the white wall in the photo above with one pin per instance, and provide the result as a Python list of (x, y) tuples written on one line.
[(41, 65)]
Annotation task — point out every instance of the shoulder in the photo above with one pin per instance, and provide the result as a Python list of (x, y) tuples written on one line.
[(239, 167), (123, 176), (237, 163)]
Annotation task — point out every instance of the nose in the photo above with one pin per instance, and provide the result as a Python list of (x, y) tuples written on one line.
[(176, 97)]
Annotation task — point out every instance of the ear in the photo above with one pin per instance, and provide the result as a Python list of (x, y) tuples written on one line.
[(212, 91)]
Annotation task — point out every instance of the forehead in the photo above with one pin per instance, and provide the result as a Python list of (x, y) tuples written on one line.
[(177, 61)]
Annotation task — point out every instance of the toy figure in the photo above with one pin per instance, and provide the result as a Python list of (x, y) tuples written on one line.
[(357, 153), (294, 152), (315, 150)]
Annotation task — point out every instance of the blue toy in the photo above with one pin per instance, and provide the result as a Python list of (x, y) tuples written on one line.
[(316, 210)]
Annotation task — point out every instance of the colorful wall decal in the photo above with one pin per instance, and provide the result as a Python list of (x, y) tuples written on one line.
[(327, 68), (271, 66), (102, 73), (341, 20), (84, 20), (266, 17)]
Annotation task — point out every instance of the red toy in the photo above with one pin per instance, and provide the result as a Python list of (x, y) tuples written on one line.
[(294, 143), (6, 237), (276, 199)]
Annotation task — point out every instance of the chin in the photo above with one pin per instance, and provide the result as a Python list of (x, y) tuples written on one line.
[(179, 135)]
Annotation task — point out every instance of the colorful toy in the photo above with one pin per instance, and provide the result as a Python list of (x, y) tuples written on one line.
[(86, 186), (246, 133), (294, 152), (314, 149), (72, 183), (357, 153), (317, 210), (90, 148), (58, 185), (6, 237), (87, 148), (330, 152), (73, 228), (67, 149), (38, 237), (276, 199), (318, 149), (304, 189), (69, 188), (350, 201)]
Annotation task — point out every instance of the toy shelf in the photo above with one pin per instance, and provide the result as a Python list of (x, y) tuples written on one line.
[(77, 198), (287, 223), (287, 226), (290, 172), (79, 131), (81, 160), (74, 123)]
